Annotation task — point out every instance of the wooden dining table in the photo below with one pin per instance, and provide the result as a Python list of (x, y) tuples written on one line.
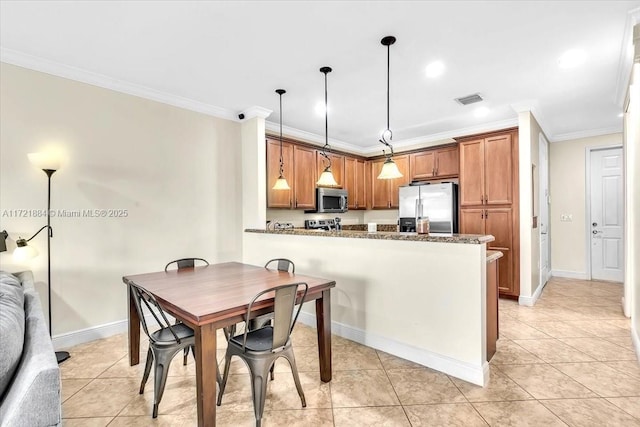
[(211, 297)]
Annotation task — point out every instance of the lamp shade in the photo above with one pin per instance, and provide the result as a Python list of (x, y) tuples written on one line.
[(24, 252), (327, 179), (46, 160), (281, 184), (389, 170)]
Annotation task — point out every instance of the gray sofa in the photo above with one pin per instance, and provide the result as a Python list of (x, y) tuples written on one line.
[(29, 373)]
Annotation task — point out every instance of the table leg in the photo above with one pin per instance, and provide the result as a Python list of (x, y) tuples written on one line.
[(134, 331), (323, 319), (206, 367)]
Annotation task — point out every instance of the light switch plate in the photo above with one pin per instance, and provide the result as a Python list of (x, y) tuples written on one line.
[(566, 217)]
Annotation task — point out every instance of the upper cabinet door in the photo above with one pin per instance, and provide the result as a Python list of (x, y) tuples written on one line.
[(279, 198), (361, 185), (379, 187), (422, 165), (350, 181), (304, 164), (447, 162), (472, 173), (403, 167), (498, 170)]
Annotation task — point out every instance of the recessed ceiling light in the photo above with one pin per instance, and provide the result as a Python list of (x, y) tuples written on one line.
[(572, 58), (435, 69), (481, 112)]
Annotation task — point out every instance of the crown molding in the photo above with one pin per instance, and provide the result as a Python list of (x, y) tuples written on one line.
[(444, 137), (625, 62), (36, 63), (312, 137), (532, 107), (256, 111), (585, 134)]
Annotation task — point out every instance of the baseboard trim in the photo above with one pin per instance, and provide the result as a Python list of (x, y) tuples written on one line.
[(70, 339), (569, 274), (478, 375), (635, 337), (531, 301), (81, 336)]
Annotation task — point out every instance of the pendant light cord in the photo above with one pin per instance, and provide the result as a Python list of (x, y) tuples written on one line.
[(281, 162), (327, 147), (388, 41)]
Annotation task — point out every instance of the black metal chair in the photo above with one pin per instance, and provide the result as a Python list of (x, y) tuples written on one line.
[(260, 348), (283, 264), (164, 343), (182, 264), (185, 263)]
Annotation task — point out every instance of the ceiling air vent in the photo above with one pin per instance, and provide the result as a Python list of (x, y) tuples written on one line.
[(469, 99)]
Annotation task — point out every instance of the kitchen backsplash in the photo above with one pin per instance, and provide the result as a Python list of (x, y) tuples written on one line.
[(297, 217)]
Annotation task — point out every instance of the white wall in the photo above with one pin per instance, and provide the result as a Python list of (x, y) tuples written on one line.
[(568, 194), (422, 301), (174, 171), (632, 153)]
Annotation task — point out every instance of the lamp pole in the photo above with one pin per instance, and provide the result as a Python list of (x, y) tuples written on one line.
[(61, 356)]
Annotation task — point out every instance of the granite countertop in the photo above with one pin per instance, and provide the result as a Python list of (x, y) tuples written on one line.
[(493, 255), (384, 235)]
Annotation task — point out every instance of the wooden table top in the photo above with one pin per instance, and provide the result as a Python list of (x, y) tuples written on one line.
[(216, 292)]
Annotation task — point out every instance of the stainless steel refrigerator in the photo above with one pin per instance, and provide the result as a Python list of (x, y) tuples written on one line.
[(439, 202)]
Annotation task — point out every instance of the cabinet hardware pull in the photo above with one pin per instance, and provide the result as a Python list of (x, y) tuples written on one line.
[(486, 214), (486, 199), (481, 214)]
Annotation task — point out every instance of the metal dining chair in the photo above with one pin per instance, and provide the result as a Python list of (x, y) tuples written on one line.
[(164, 343), (181, 264), (283, 265), (260, 348)]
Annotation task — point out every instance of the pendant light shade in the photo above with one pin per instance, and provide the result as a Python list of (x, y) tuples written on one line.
[(389, 168), (326, 177), (281, 182)]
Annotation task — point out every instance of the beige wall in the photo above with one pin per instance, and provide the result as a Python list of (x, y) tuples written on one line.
[(175, 172), (567, 188)]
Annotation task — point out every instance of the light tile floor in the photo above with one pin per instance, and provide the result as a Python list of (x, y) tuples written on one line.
[(567, 361)]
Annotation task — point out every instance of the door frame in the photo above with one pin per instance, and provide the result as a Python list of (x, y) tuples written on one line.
[(542, 140), (587, 201)]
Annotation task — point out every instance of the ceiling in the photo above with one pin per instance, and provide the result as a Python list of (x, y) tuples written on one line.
[(223, 57)]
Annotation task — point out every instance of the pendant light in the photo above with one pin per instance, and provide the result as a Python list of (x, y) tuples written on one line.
[(326, 178), (281, 182), (389, 168)]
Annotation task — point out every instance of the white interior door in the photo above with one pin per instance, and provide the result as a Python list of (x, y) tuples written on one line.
[(545, 264), (607, 215)]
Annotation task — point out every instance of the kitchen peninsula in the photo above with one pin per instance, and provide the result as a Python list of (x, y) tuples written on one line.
[(419, 297)]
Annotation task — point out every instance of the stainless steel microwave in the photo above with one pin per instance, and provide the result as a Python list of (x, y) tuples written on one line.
[(330, 200)]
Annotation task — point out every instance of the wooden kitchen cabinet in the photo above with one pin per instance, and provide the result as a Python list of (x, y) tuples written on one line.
[(499, 223), (355, 182), (436, 163), (337, 167), (279, 198), (486, 171), (304, 177), (300, 172), (384, 192)]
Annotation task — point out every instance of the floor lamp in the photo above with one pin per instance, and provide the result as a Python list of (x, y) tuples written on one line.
[(49, 163)]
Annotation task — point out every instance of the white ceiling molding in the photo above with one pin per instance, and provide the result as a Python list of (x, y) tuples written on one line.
[(445, 137), (534, 108), (585, 134), (31, 62), (626, 56), (256, 111), (312, 137)]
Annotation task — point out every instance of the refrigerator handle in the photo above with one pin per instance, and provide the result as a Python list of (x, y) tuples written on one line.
[(417, 207)]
